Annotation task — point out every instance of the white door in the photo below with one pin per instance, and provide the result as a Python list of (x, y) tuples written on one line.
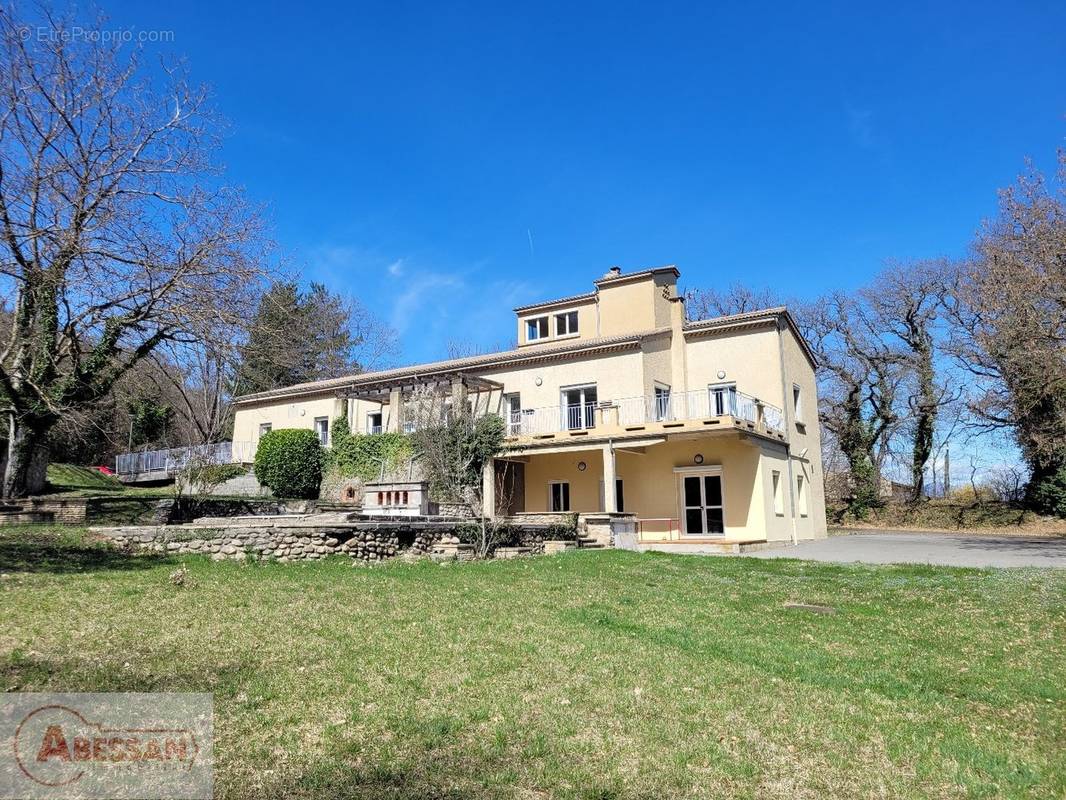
[(578, 406)]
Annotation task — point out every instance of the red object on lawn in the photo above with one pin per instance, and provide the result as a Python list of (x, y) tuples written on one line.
[(103, 469)]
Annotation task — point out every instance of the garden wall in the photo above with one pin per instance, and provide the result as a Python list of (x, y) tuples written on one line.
[(281, 540), (63, 511)]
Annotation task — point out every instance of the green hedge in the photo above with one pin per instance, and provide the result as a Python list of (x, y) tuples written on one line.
[(289, 461), (361, 456), (1049, 496)]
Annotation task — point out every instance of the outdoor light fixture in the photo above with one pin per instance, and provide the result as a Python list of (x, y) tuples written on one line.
[(698, 458), (538, 381), (721, 374), (582, 466)]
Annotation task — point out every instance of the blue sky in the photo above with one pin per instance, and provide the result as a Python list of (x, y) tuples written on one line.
[(444, 162)]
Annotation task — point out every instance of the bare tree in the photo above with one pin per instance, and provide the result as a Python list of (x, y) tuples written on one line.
[(737, 299), (906, 301), (116, 234), (858, 383)]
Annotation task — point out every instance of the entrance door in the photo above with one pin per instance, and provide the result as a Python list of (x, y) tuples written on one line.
[(702, 512)]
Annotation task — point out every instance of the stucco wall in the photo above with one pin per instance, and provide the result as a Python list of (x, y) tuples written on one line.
[(298, 413), (748, 358), (616, 375), (805, 437), (627, 307)]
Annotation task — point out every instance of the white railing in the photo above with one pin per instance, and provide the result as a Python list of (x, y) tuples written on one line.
[(176, 459), (698, 404)]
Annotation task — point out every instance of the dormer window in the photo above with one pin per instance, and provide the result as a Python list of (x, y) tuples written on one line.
[(566, 323), (536, 329)]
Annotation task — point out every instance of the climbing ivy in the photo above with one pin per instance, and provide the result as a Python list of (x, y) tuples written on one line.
[(361, 456)]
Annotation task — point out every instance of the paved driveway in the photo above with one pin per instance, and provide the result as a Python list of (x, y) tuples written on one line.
[(948, 549)]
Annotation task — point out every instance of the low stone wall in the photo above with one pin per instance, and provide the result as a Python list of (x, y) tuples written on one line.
[(454, 510), (281, 539)]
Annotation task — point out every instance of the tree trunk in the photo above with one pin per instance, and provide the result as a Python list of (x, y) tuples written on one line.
[(27, 458)]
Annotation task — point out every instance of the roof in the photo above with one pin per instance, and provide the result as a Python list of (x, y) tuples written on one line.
[(574, 298), (621, 277), (527, 354)]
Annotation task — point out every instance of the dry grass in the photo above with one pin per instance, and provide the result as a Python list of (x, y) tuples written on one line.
[(950, 515), (588, 675)]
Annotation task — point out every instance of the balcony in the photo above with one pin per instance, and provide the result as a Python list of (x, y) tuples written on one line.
[(662, 410)]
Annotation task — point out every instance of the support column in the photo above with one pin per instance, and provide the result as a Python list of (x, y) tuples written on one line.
[(395, 401), (488, 489), (610, 499)]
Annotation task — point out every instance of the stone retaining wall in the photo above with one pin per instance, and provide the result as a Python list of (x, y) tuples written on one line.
[(280, 540)]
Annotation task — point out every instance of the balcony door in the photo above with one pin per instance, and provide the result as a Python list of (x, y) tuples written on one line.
[(702, 510), (723, 399), (578, 407), (512, 410)]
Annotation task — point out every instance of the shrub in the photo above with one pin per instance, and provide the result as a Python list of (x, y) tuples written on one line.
[(563, 531), (1049, 495), (289, 461), (214, 474)]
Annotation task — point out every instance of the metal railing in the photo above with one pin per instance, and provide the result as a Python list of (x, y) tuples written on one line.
[(698, 404), (175, 459)]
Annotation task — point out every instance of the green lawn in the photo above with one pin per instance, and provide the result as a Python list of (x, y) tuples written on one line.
[(588, 675)]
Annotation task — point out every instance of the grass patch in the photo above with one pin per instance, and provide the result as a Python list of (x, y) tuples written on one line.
[(588, 675), (67, 478)]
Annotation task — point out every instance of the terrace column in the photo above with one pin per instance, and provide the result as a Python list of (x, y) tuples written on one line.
[(610, 498), (488, 489), (395, 402)]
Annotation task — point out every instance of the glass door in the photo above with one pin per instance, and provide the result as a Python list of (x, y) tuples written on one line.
[(724, 400), (578, 406), (702, 499), (512, 408)]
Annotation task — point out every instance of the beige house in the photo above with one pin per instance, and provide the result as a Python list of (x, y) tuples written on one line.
[(614, 403)]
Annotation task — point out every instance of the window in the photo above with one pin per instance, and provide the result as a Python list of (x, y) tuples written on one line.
[(779, 503), (801, 495), (322, 429), (701, 496), (373, 422), (662, 403), (724, 400), (566, 323), (558, 496), (264, 429), (578, 406), (797, 403), (536, 329)]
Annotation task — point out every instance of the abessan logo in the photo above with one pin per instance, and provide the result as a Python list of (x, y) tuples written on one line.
[(107, 745)]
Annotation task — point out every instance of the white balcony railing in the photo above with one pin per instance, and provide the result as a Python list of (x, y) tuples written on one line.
[(664, 407), (175, 459)]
